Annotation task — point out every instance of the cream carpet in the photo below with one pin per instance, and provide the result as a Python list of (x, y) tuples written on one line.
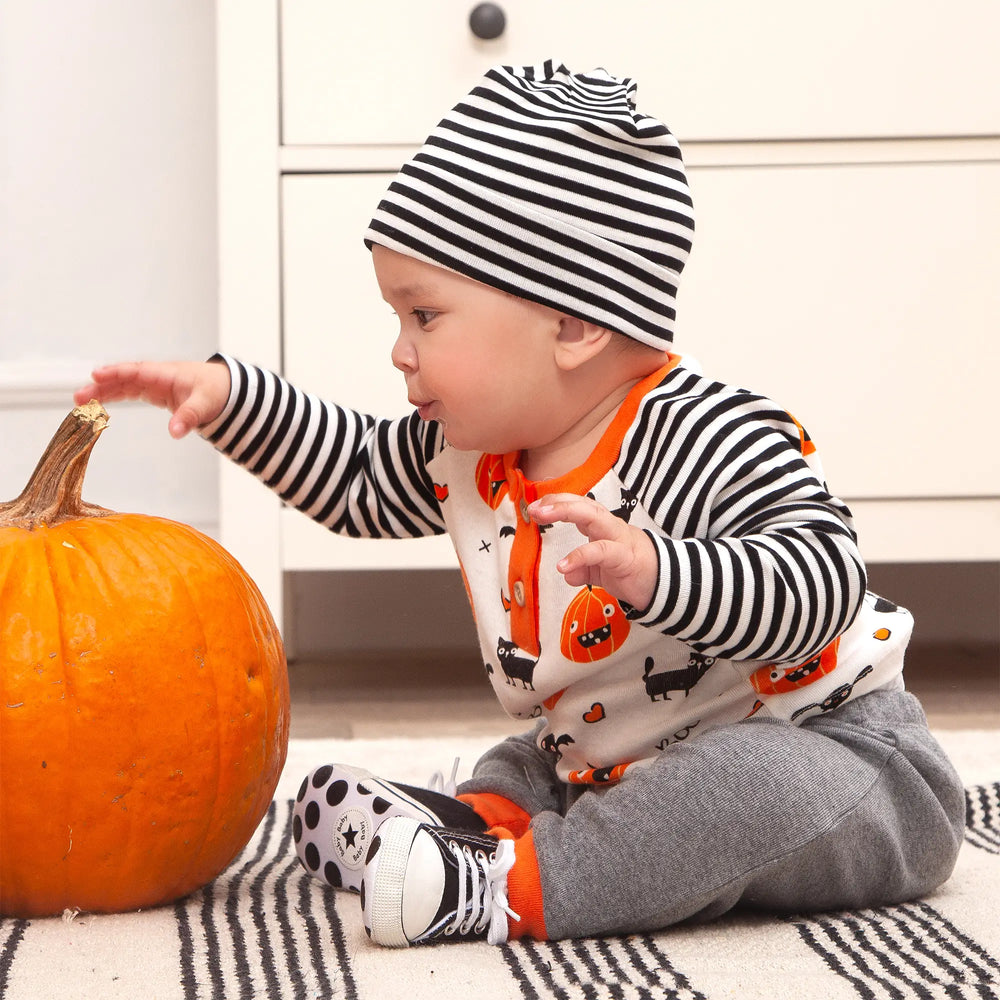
[(264, 929)]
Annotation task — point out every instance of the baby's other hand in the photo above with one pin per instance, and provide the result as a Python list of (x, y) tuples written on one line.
[(616, 556), (194, 392)]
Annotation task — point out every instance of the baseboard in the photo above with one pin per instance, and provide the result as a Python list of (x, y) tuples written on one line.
[(40, 382)]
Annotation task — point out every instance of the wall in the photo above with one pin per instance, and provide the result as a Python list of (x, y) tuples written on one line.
[(107, 231)]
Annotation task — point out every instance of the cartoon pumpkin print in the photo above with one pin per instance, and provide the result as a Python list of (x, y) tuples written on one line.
[(491, 480), (593, 627), (773, 679)]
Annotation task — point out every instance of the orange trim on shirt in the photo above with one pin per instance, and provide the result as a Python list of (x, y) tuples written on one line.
[(522, 569)]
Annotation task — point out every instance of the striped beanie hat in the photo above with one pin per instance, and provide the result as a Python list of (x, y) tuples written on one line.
[(549, 185)]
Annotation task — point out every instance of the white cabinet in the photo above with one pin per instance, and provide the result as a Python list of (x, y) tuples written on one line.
[(845, 263)]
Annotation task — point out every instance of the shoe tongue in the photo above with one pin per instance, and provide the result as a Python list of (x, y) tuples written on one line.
[(449, 897), (446, 912)]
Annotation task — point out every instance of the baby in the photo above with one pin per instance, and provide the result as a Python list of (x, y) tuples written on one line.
[(660, 579)]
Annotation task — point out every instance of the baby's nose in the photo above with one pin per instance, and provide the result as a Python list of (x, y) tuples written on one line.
[(404, 357)]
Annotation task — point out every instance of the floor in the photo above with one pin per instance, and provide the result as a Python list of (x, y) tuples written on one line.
[(401, 695)]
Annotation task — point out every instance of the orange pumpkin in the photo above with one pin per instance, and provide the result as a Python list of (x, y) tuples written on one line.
[(593, 627), (143, 698)]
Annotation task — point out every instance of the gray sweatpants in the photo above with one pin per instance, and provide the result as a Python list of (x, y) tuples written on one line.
[(858, 807)]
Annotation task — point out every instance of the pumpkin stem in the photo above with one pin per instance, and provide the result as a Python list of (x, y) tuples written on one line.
[(53, 491)]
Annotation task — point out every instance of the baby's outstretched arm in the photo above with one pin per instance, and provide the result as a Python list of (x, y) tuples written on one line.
[(616, 556), (194, 392)]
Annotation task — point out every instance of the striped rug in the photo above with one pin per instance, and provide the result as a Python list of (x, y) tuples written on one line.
[(264, 929)]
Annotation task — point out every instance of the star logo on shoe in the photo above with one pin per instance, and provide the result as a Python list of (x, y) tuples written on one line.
[(351, 837)]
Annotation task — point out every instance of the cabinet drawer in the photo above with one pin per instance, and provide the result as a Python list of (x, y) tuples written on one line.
[(864, 298), (385, 72)]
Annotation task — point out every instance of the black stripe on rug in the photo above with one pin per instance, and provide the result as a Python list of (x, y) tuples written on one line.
[(630, 968), (982, 817), (902, 952), (264, 928), (11, 934)]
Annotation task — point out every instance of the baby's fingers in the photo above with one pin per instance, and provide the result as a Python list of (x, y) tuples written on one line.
[(106, 386), (587, 514), (196, 410), (604, 557), (194, 392), (130, 380)]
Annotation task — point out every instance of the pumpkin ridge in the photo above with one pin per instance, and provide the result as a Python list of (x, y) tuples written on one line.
[(67, 788), (54, 753), (79, 680), (18, 705), (227, 586), (70, 534), (164, 548)]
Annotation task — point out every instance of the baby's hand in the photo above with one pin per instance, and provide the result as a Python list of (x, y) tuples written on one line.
[(617, 557), (194, 392)]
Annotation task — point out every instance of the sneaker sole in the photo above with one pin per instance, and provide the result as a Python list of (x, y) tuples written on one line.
[(336, 815)]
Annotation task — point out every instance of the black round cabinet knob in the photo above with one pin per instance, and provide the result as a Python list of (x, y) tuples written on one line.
[(487, 21)]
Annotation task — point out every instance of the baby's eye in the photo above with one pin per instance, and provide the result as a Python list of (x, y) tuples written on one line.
[(423, 316)]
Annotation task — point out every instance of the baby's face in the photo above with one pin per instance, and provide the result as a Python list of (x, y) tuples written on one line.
[(475, 359)]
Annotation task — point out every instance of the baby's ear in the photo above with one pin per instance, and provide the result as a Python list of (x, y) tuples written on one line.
[(579, 341)]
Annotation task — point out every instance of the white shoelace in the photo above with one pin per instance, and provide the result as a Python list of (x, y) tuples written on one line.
[(437, 781), (488, 904)]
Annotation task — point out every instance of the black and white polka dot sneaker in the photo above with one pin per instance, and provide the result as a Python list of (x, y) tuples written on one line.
[(339, 809), (429, 885)]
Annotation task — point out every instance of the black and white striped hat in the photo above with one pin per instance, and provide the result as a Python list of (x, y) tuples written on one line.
[(549, 185)]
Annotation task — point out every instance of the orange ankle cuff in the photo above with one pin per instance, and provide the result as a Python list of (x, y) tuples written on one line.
[(495, 810), (509, 821), (524, 891)]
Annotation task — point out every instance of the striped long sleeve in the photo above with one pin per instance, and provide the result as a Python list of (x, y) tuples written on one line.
[(354, 474), (758, 561)]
